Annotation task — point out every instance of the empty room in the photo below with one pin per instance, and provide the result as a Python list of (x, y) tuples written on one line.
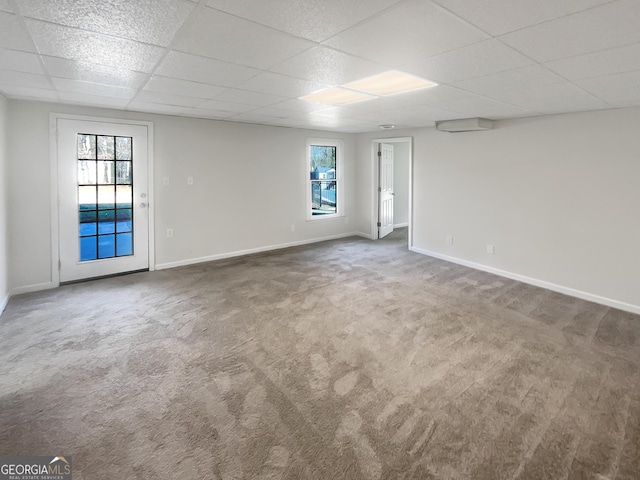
[(320, 239)]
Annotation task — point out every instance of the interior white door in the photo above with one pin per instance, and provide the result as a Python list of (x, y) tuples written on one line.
[(385, 195), (103, 207)]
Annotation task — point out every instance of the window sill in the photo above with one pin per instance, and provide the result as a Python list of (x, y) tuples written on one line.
[(316, 218)]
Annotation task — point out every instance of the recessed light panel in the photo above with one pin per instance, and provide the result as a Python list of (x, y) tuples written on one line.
[(390, 83), (336, 96)]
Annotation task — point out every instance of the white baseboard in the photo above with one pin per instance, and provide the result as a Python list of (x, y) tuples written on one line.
[(240, 253), (368, 236), (3, 302), (32, 288), (534, 281), (400, 225)]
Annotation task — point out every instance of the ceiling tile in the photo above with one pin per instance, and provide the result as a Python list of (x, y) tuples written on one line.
[(327, 66), (553, 108), (252, 117), (483, 58), (619, 90), (624, 104), (497, 16), (607, 62), (168, 99), (409, 31), (315, 20), (206, 70), (428, 96), (20, 61), (547, 98), (93, 100), (221, 36), (92, 72), (316, 122), (276, 84), (227, 106), (375, 106), (611, 25), (10, 77), (295, 122), (276, 111), (18, 91), (208, 113), (374, 122), (427, 113), (139, 106), (301, 106), (73, 44), (6, 7), (249, 98), (482, 107), (525, 77), (88, 88), (14, 36), (593, 43), (175, 86), (148, 21)]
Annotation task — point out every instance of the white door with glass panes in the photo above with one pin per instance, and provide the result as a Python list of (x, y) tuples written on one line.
[(385, 195), (103, 205)]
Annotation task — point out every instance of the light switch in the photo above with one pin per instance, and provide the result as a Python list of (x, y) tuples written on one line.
[(189, 180)]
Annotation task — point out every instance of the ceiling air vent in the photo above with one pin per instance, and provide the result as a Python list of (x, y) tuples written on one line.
[(464, 125)]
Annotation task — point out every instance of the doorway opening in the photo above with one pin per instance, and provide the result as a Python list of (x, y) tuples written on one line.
[(102, 220), (392, 172)]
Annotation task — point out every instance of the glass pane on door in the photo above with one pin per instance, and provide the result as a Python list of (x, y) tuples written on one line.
[(105, 196)]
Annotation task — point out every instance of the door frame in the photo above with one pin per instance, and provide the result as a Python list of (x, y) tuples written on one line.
[(53, 157), (375, 175)]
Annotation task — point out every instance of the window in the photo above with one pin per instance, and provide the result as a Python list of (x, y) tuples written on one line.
[(324, 198), (105, 196)]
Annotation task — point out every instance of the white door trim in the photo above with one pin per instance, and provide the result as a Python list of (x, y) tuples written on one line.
[(374, 184), (53, 157)]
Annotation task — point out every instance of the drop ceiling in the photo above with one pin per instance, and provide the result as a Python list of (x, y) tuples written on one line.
[(251, 60)]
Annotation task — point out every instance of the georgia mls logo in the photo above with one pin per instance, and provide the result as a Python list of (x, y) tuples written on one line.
[(62, 463), (35, 468)]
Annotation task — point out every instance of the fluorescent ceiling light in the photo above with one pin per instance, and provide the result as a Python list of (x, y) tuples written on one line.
[(390, 83), (336, 96)]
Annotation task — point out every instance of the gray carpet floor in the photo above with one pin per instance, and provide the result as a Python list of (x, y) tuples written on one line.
[(347, 359)]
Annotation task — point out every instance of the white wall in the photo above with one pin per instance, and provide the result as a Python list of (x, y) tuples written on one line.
[(401, 162), (249, 188), (4, 228), (558, 196)]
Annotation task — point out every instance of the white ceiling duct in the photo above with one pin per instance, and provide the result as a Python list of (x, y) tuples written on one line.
[(464, 125)]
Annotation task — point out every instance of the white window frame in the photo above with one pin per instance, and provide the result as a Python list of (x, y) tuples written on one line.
[(328, 142)]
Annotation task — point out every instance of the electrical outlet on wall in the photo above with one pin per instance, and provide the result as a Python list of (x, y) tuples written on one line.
[(169, 232), (450, 239), (491, 249)]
